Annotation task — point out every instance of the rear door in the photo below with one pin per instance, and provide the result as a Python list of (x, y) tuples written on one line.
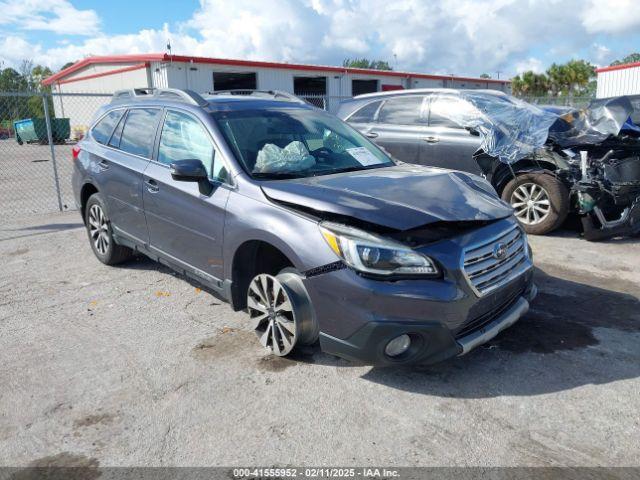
[(119, 169), (401, 127), (447, 143), (186, 226)]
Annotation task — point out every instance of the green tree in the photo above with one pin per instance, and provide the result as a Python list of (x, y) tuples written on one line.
[(67, 65), (485, 75), (576, 77), (631, 58), (530, 84), (365, 63)]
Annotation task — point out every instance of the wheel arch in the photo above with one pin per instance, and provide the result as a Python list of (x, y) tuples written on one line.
[(86, 191), (504, 174), (252, 257)]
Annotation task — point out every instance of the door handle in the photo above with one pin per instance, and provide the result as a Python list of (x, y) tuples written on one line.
[(103, 165), (431, 139), (371, 134), (152, 186)]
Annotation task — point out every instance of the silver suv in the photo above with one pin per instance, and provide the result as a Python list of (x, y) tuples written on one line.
[(290, 214)]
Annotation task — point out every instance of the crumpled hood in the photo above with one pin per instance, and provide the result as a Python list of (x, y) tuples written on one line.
[(400, 197)]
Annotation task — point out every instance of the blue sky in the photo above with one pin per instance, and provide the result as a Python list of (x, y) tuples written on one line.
[(464, 37)]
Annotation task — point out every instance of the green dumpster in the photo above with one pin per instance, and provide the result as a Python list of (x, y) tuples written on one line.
[(34, 130)]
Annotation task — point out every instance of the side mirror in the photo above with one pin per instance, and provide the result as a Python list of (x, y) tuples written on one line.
[(191, 171)]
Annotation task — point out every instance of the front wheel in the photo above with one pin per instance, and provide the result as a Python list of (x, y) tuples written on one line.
[(281, 312), (540, 201)]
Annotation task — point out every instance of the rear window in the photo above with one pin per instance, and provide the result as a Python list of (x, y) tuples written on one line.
[(104, 128), (366, 114), (139, 131)]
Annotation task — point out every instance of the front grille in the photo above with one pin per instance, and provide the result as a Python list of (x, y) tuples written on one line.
[(479, 322), (486, 271)]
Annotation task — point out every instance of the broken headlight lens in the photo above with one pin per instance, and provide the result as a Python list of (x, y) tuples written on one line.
[(375, 255)]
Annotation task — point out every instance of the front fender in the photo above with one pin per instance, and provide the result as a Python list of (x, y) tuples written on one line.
[(296, 235)]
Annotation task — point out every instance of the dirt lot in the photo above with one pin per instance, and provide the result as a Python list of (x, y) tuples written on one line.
[(135, 366)]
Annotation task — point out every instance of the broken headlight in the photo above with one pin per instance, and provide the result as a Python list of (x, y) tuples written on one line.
[(375, 255)]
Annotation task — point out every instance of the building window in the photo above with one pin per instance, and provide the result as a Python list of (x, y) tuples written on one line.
[(312, 89), (360, 87), (234, 81)]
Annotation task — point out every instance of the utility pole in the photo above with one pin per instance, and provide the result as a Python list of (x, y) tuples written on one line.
[(498, 72)]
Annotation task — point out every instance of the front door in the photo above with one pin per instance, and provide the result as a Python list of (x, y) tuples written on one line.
[(447, 143), (186, 226)]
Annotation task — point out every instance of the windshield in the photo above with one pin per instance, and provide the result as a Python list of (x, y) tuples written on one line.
[(295, 142)]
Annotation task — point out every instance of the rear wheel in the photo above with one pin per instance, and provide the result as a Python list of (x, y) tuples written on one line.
[(540, 201), (101, 235), (281, 312)]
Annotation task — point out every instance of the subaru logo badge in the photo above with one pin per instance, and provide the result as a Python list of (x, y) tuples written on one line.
[(499, 251)]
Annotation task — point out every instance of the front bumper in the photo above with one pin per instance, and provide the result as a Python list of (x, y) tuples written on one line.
[(444, 316), (431, 342)]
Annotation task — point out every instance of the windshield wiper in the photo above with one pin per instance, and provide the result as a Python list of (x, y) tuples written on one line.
[(277, 175), (351, 169)]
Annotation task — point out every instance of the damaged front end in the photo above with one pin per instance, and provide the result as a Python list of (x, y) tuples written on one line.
[(594, 152), (602, 148)]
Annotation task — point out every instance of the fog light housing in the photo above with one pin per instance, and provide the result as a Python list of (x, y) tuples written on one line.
[(398, 345)]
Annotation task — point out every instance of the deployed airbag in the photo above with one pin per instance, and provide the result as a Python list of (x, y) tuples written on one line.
[(293, 158)]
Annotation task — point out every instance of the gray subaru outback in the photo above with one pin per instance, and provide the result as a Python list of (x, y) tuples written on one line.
[(290, 214)]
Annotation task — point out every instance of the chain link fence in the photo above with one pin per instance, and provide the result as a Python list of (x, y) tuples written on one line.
[(37, 134), (576, 102)]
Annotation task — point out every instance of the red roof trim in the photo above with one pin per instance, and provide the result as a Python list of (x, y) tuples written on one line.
[(105, 74), (618, 67), (163, 57)]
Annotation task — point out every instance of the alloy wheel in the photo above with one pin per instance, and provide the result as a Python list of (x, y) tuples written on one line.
[(271, 313), (531, 203), (99, 229)]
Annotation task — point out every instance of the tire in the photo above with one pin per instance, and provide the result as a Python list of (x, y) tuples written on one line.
[(281, 312), (101, 235), (551, 205)]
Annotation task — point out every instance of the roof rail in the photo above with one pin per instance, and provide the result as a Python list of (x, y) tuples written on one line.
[(188, 96), (264, 93)]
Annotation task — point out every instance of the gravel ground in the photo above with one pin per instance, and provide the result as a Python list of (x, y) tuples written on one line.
[(133, 365)]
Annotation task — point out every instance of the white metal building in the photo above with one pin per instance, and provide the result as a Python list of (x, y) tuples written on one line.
[(618, 80), (326, 84)]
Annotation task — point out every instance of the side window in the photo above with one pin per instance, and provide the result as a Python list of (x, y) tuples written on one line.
[(184, 138), (101, 132), (448, 111), (366, 114), (405, 110), (139, 131)]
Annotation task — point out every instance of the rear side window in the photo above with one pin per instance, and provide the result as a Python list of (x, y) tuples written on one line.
[(366, 114), (103, 129), (402, 111), (139, 131)]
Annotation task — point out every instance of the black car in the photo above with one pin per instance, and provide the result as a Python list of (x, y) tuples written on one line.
[(531, 156)]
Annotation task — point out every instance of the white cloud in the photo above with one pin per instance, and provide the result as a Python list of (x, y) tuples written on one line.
[(442, 36), (611, 16), (58, 16), (601, 54), (530, 64)]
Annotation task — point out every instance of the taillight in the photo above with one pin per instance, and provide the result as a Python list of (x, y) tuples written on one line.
[(75, 151)]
